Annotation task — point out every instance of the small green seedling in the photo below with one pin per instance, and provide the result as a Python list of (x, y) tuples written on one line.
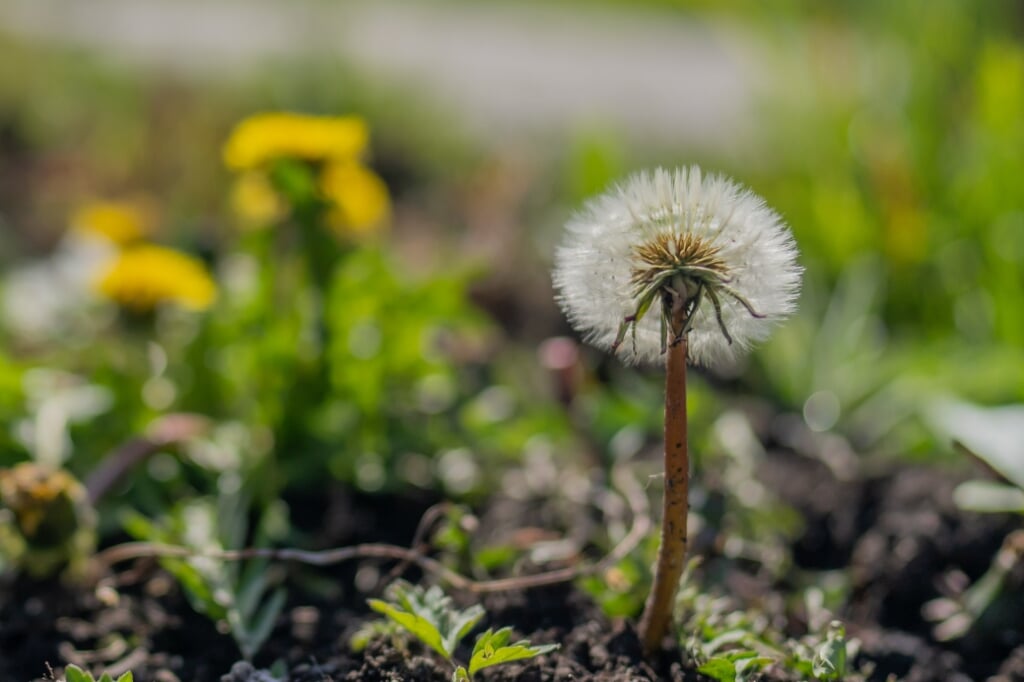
[(731, 644), (830, 659), (428, 615), (735, 666), (241, 594), (75, 674), (493, 648)]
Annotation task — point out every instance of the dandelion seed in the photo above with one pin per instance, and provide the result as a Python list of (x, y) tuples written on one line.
[(677, 238)]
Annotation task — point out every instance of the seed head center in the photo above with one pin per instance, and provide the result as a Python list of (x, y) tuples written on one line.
[(676, 260)]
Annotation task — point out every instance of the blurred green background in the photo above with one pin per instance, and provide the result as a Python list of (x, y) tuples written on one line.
[(889, 136)]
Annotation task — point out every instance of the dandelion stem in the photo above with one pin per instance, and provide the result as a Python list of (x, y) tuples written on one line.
[(657, 616)]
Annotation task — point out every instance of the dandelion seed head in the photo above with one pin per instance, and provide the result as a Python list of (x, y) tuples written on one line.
[(672, 233)]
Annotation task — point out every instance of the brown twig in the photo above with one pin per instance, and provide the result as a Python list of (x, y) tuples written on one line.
[(627, 485), (419, 539), (170, 429)]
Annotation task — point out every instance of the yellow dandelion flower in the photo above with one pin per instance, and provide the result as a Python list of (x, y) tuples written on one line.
[(254, 200), (268, 136), (120, 222), (143, 277), (359, 198)]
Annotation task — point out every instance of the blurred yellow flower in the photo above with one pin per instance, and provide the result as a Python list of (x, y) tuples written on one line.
[(255, 201), (358, 196), (143, 277), (32, 491), (54, 524), (268, 136), (120, 222)]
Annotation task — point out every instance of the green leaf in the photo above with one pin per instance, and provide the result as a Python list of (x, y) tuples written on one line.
[(416, 625), (75, 674), (251, 588), (198, 587), (430, 616), (126, 677), (989, 496), (460, 624), (260, 626), (492, 649), (727, 639), (994, 434), (719, 668), (492, 639), (460, 675), (752, 664), (294, 180), (105, 677)]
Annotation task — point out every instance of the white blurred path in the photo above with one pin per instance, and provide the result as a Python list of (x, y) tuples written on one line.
[(504, 67)]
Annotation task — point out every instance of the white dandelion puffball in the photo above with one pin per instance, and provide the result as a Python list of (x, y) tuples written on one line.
[(678, 235)]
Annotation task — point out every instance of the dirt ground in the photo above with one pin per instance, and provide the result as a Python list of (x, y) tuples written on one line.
[(899, 535)]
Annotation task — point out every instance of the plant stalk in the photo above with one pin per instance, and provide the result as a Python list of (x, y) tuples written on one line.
[(657, 616)]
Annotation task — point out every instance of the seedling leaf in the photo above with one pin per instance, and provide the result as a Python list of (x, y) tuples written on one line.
[(492, 648), (429, 616), (719, 668), (461, 624), (75, 674), (752, 664), (262, 624), (416, 625)]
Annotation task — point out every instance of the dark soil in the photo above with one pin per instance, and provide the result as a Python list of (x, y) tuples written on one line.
[(899, 536)]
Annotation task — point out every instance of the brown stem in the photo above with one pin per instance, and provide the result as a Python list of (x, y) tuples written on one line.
[(657, 617)]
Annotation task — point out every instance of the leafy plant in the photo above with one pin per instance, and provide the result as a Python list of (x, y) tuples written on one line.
[(730, 644), (75, 674), (239, 593), (734, 666), (830, 658), (428, 615)]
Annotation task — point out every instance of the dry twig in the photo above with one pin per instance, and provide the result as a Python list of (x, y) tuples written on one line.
[(624, 481)]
